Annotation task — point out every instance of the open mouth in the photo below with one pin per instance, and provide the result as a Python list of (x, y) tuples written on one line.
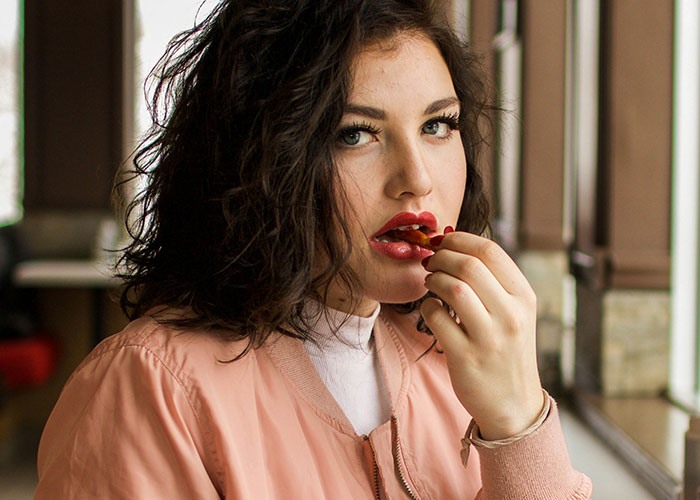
[(406, 236), (402, 233)]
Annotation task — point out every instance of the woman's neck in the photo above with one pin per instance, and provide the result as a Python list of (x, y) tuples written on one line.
[(364, 308)]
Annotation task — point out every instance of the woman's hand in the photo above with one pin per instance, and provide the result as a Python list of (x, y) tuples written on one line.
[(490, 349)]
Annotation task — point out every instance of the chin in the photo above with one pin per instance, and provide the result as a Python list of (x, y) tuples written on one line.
[(403, 291)]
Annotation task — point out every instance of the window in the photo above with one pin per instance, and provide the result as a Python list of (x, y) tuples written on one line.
[(10, 113), (685, 365)]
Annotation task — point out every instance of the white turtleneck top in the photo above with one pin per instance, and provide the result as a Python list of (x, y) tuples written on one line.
[(347, 363)]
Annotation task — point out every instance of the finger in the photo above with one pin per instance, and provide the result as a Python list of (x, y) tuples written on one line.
[(493, 256), (474, 272), (450, 336), (473, 315)]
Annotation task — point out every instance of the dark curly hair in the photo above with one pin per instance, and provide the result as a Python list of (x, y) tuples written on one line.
[(238, 166)]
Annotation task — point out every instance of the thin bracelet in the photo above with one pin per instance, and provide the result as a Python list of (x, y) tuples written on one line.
[(470, 437)]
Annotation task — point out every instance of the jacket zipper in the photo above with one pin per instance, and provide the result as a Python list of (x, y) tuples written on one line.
[(398, 461), (375, 470)]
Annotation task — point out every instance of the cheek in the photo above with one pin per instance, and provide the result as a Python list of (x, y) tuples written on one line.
[(359, 180), (452, 178)]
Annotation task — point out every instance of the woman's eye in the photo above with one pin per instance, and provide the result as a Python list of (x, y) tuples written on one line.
[(355, 137), (437, 128)]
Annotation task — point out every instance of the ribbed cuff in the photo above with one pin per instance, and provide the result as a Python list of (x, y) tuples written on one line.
[(471, 437), (536, 466)]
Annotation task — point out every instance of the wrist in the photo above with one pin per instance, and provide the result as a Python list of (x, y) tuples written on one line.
[(473, 434), (517, 422)]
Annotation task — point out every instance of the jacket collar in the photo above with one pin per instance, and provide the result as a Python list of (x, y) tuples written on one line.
[(289, 355)]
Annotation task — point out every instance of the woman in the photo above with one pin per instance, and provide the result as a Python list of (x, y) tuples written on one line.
[(273, 351)]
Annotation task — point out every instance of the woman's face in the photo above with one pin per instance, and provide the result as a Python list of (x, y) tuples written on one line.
[(401, 162)]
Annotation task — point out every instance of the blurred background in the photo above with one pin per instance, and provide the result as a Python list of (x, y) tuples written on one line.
[(592, 167)]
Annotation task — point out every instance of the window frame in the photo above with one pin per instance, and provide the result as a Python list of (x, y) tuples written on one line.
[(684, 374)]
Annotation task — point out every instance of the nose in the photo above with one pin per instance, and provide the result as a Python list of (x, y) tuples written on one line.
[(409, 172)]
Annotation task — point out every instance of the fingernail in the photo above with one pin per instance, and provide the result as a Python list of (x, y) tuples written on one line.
[(436, 240), (449, 229), (425, 261)]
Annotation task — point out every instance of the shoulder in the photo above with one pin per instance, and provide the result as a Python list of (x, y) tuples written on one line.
[(151, 372), (148, 344), (140, 400)]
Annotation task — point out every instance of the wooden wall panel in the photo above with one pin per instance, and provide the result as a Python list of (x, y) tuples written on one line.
[(637, 147), (73, 103), (483, 19), (543, 27)]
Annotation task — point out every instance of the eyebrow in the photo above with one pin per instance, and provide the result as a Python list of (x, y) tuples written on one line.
[(441, 104), (368, 111), (380, 114)]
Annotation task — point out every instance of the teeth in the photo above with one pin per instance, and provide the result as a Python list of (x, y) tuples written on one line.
[(406, 228), (381, 240)]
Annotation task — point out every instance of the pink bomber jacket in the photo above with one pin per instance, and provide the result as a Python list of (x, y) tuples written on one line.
[(156, 413)]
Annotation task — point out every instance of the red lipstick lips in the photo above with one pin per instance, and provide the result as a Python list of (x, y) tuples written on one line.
[(401, 237)]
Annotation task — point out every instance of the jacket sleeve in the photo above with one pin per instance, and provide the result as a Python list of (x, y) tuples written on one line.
[(535, 467), (123, 428)]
